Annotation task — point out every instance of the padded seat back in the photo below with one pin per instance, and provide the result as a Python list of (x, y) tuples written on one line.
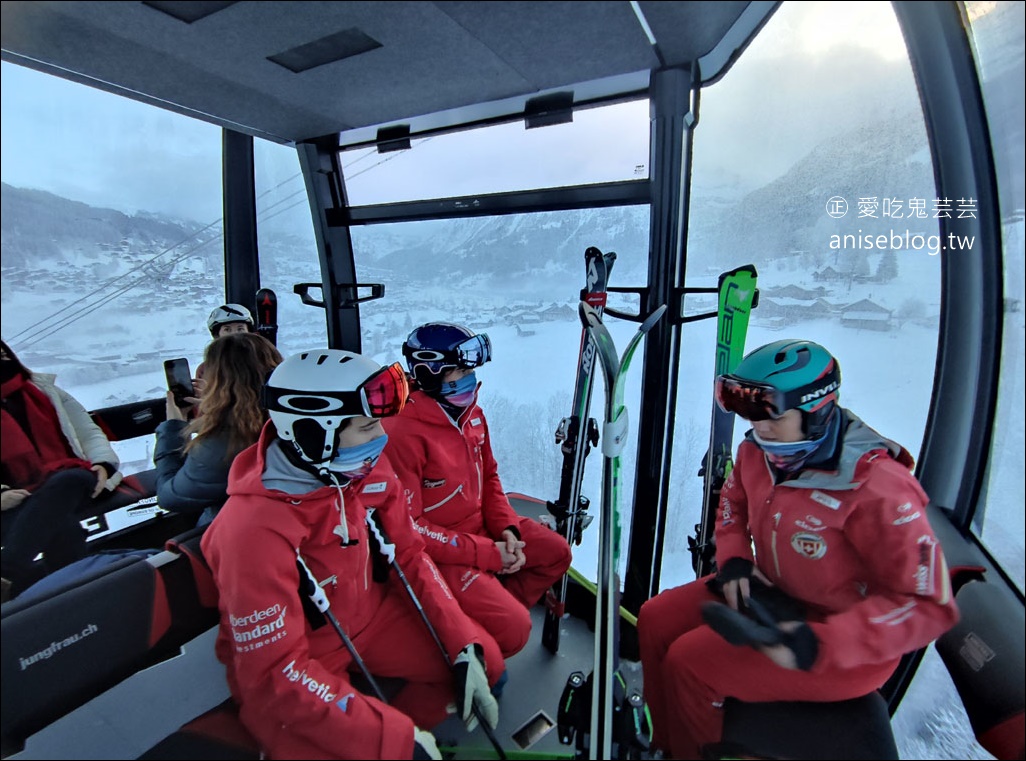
[(62, 650), (985, 653), (66, 647), (849, 729)]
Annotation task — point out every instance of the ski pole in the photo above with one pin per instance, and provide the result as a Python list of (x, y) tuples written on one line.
[(313, 590), (388, 549)]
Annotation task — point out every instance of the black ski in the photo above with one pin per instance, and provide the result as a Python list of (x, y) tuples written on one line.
[(576, 435), (267, 314), (618, 715), (737, 297)]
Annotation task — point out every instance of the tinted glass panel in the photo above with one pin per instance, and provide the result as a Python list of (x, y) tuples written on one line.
[(517, 278), (112, 239), (288, 249), (516, 158)]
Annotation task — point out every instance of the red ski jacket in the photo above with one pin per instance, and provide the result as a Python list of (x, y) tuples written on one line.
[(451, 480), (288, 675), (854, 544)]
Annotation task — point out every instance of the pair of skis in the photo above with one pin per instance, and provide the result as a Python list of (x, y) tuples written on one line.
[(576, 435), (737, 296), (618, 714)]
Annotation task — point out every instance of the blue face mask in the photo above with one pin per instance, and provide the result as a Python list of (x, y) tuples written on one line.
[(357, 462), (461, 393), (790, 456)]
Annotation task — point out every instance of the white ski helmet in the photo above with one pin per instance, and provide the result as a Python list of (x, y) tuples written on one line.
[(310, 394), (227, 313)]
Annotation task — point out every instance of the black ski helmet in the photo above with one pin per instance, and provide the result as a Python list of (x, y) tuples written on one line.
[(435, 347)]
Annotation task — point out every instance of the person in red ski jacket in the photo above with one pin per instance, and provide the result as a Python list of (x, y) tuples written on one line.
[(497, 563), (316, 491), (826, 561)]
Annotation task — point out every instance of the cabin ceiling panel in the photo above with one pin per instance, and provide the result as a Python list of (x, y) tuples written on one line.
[(683, 34), (434, 57)]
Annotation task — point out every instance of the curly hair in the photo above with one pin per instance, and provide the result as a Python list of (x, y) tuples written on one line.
[(235, 368)]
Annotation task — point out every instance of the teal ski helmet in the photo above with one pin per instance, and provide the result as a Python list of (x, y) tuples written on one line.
[(780, 376)]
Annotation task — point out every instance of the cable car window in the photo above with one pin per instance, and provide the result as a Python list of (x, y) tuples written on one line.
[(288, 250), (812, 162), (112, 239), (517, 278), (997, 38), (837, 117), (450, 165)]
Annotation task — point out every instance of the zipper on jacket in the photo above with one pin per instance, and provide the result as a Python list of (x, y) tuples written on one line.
[(439, 504), (773, 543)]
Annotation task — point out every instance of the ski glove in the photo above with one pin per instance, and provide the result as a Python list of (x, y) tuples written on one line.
[(739, 629), (424, 746), (734, 569), (472, 688)]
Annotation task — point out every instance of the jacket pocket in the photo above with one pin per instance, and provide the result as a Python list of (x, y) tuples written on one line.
[(447, 499)]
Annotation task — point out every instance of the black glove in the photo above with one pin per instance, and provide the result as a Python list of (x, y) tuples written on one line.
[(472, 688), (762, 631), (780, 605), (735, 568)]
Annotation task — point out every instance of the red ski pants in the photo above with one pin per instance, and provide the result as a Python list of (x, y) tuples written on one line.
[(502, 603), (689, 669)]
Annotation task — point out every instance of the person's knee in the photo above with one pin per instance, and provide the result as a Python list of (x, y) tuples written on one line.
[(74, 479), (644, 627), (564, 556), (551, 548), (515, 631)]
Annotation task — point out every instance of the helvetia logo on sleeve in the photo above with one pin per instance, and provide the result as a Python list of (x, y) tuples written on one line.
[(320, 689)]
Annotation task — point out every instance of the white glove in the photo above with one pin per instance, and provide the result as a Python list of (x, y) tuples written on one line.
[(472, 688), (424, 746)]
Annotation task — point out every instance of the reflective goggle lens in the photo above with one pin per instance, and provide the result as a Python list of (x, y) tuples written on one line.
[(475, 351), (385, 392), (752, 401)]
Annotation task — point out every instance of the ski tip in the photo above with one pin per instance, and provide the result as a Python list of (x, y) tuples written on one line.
[(652, 319)]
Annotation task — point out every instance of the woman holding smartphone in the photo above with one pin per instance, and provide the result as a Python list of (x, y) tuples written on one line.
[(193, 458)]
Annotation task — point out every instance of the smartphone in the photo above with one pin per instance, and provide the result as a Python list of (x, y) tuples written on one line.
[(179, 379)]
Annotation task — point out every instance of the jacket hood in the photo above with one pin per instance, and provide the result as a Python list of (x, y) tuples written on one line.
[(857, 440), (247, 473)]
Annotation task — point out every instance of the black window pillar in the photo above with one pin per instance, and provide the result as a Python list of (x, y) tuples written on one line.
[(329, 205), (241, 257), (674, 108)]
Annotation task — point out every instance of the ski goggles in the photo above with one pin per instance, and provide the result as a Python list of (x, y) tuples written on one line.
[(471, 353), (749, 399), (474, 352), (383, 394)]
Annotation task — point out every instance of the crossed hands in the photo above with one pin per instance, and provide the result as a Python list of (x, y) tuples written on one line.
[(512, 551)]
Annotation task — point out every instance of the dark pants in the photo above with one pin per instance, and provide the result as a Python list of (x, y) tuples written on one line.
[(46, 522)]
